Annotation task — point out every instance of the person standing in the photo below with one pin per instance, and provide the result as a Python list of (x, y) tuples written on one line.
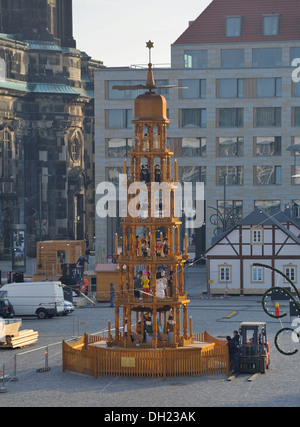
[(80, 265), (112, 294), (236, 339), (234, 354)]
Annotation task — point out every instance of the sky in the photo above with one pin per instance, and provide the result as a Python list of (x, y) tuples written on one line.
[(116, 31)]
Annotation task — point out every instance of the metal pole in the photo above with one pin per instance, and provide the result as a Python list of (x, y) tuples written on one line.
[(3, 389), (224, 216), (46, 367), (15, 378)]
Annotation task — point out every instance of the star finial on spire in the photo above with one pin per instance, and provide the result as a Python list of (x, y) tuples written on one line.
[(150, 46)]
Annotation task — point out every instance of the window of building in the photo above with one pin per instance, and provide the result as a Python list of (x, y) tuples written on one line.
[(268, 87), (267, 57), (112, 174), (230, 117), (193, 117), (75, 146), (257, 274), (230, 88), (195, 59), (230, 147), (123, 94), (267, 175), (6, 153), (256, 236), (295, 140), (234, 175), (225, 273), (132, 94), (2, 69), (119, 147), (295, 174), (270, 25), (233, 213), (195, 88), (267, 116), (295, 209), (119, 119), (194, 174), (232, 58), (296, 89), (295, 116), (267, 146), (233, 26), (267, 205), (193, 147), (294, 53), (291, 272)]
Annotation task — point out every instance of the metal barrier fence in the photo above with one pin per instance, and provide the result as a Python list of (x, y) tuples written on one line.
[(9, 369), (8, 373)]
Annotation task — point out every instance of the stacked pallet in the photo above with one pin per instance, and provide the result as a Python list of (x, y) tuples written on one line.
[(21, 339)]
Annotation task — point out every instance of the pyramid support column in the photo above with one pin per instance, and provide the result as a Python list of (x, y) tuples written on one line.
[(154, 328), (129, 325), (181, 280), (117, 322), (185, 322), (178, 325)]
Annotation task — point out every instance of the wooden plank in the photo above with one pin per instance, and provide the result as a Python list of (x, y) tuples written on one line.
[(253, 377), (25, 339), (21, 333), (232, 377), (21, 339)]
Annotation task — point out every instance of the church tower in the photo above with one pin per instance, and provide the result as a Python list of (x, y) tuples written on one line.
[(46, 131), (52, 20)]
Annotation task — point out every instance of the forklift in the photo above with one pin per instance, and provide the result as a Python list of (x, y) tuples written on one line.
[(254, 348), (71, 279)]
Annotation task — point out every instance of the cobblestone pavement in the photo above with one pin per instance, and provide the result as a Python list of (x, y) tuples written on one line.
[(280, 386)]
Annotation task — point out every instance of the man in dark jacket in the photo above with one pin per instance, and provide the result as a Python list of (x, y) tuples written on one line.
[(80, 265), (234, 353)]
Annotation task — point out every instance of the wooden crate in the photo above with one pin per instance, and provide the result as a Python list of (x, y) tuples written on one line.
[(51, 254), (106, 274)]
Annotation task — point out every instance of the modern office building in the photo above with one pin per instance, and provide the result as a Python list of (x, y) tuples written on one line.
[(236, 127)]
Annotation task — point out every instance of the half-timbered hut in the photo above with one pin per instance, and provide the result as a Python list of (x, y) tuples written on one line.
[(270, 239)]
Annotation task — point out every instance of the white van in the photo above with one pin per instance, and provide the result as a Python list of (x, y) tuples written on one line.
[(43, 299)]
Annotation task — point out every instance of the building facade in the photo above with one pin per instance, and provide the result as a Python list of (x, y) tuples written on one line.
[(46, 126), (259, 238), (236, 127)]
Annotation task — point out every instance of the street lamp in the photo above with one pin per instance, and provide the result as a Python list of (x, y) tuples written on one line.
[(295, 149)]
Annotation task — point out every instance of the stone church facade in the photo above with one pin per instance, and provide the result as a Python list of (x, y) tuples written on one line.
[(46, 125)]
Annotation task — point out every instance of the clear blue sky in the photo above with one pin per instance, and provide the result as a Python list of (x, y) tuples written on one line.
[(116, 31)]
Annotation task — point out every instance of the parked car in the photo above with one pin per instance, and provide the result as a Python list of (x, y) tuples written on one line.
[(69, 307), (6, 309)]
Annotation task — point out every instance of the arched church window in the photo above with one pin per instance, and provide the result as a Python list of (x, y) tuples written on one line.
[(75, 146)]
